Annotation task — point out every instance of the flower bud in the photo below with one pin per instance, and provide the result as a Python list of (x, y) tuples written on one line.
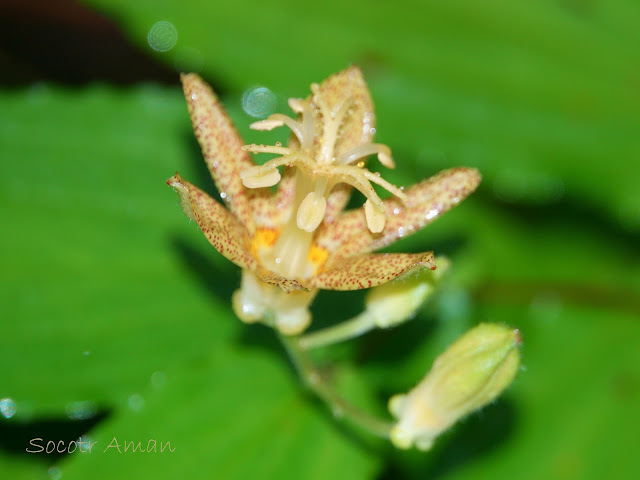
[(472, 372), (395, 302)]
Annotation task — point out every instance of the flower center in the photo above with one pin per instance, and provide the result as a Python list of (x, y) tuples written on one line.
[(315, 158)]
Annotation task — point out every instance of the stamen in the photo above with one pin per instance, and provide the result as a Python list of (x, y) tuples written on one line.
[(266, 124), (384, 154), (311, 212), (296, 104), (267, 175), (253, 148), (372, 177), (258, 177), (354, 177), (375, 217), (277, 120)]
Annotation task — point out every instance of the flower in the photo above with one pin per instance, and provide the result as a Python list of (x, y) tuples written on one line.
[(295, 241), (472, 372)]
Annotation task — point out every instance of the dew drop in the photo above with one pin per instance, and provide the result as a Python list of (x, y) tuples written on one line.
[(81, 410), (402, 187), (259, 102), (54, 473), (278, 260), (372, 131), (396, 211), (223, 195), (401, 232), (431, 214), (7, 407), (193, 96), (162, 36), (136, 402)]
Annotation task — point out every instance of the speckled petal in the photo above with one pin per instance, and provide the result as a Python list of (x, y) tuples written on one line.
[(359, 126), (425, 202), (337, 200), (285, 284), (364, 271), (221, 146), (221, 228)]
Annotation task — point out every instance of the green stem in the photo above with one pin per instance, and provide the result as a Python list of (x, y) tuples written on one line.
[(338, 333), (339, 406)]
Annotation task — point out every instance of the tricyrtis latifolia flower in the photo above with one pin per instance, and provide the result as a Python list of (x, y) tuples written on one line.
[(297, 240)]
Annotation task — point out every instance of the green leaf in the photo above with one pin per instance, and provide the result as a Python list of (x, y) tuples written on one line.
[(100, 267), (237, 413)]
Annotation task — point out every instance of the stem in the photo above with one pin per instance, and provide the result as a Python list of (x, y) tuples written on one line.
[(316, 383), (338, 333)]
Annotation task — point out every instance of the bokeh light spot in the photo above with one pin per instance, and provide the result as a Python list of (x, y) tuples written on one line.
[(259, 102), (162, 36)]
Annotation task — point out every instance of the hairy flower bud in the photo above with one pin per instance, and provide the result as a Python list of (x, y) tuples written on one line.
[(472, 372), (395, 302)]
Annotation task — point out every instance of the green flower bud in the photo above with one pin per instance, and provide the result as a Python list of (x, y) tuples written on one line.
[(472, 372), (395, 302)]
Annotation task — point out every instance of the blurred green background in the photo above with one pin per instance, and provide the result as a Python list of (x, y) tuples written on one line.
[(115, 311)]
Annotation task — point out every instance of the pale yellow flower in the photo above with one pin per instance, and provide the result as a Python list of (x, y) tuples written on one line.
[(295, 241)]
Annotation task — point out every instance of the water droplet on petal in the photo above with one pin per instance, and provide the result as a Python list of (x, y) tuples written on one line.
[(401, 232), (396, 211), (223, 195), (7, 407), (431, 214)]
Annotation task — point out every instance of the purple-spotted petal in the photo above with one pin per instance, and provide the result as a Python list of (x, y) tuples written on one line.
[(221, 147), (364, 271), (359, 126), (221, 228), (425, 202), (286, 284)]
